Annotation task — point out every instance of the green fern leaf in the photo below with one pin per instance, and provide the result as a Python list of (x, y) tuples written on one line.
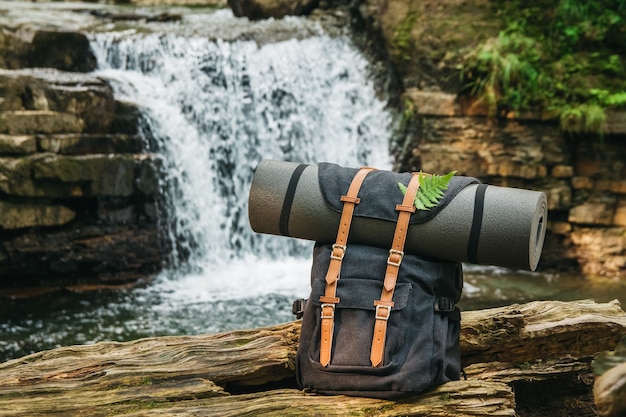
[(431, 189)]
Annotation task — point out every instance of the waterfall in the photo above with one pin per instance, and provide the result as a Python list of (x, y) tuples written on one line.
[(212, 110)]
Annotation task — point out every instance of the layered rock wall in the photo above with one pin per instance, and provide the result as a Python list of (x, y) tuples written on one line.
[(77, 189), (584, 179)]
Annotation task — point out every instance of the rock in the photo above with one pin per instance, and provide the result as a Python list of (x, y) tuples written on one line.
[(600, 251), (609, 389), (582, 183), (265, 9), (50, 101), (105, 253), (83, 144), (610, 392), (592, 213), (126, 118), (52, 175), (18, 216), (562, 171), (24, 122), (32, 47), (105, 175), (17, 145), (619, 219), (480, 148), (433, 103), (66, 51), (615, 123)]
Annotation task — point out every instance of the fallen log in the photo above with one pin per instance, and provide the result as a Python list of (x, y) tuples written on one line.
[(251, 372)]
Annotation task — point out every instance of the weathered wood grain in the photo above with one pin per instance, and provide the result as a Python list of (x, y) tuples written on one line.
[(227, 374)]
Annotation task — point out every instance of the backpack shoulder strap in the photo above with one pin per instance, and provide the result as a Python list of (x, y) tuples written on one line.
[(329, 299), (385, 303)]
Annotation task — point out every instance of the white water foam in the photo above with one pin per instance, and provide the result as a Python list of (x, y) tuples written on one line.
[(215, 109)]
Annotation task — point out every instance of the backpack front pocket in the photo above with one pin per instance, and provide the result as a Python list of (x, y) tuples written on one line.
[(354, 318)]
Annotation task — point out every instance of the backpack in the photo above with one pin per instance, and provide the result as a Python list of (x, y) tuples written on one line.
[(378, 322)]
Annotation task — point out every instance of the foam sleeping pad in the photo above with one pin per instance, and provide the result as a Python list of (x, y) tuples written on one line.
[(473, 222)]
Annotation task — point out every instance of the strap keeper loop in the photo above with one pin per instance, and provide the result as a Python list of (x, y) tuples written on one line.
[(329, 300), (348, 199), (401, 207)]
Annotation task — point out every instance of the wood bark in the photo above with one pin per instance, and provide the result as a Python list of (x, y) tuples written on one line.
[(251, 372)]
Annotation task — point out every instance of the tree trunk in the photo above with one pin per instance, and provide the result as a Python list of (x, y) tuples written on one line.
[(251, 372)]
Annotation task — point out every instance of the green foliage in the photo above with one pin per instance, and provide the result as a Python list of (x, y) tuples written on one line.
[(564, 58), (608, 99), (402, 41), (408, 114), (431, 189), (586, 117), (503, 72)]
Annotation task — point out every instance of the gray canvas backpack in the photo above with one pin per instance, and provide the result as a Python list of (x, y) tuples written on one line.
[(378, 322)]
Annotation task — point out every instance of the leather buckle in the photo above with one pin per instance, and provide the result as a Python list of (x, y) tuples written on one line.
[(395, 252), (378, 316), (343, 252), (332, 311)]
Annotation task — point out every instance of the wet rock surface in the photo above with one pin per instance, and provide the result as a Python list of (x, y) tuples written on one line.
[(77, 187)]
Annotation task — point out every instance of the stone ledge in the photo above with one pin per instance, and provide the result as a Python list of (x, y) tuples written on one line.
[(51, 175), (18, 145), (25, 122), (437, 103), (22, 215)]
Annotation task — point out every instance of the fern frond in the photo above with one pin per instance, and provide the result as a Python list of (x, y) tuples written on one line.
[(431, 189)]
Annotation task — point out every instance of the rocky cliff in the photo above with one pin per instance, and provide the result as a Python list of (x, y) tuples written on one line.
[(77, 189)]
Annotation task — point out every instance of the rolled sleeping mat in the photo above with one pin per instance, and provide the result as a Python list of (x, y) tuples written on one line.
[(473, 222)]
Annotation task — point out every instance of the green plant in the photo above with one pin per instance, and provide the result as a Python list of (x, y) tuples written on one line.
[(402, 41), (563, 59), (586, 118), (504, 72), (431, 189), (608, 99), (408, 113)]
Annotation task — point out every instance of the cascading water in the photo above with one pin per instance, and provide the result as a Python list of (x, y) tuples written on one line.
[(213, 110)]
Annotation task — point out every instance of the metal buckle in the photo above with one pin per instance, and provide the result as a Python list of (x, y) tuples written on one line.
[(332, 311), (396, 252), (379, 317), (338, 246)]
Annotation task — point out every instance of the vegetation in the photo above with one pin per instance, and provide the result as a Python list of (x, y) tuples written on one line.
[(431, 189), (402, 42), (565, 60)]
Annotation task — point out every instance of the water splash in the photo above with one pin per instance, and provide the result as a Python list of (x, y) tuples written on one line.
[(213, 110)]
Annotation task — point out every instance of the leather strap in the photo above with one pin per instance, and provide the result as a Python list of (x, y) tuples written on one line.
[(385, 303), (329, 299)]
